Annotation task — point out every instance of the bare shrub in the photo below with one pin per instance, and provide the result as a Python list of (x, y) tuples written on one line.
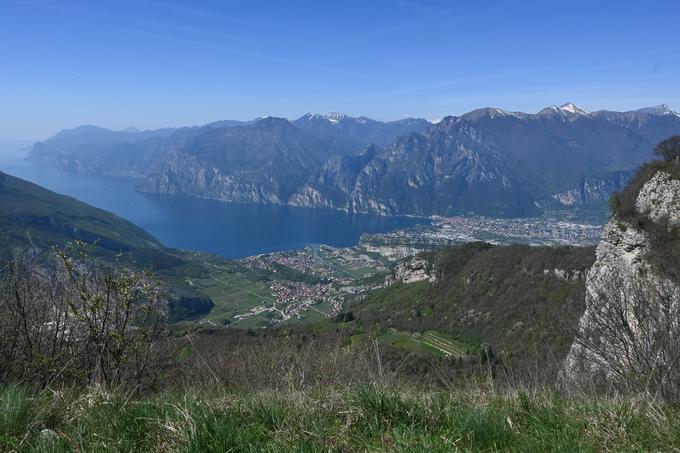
[(76, 320), (260, 361)]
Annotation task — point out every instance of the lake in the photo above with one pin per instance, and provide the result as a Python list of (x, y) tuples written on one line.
[(228, 229)]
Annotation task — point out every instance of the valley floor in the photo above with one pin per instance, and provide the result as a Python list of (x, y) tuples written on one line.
[(370, 419)]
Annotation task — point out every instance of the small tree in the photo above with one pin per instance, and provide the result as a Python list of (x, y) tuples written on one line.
[(669, 149), (76, 320)]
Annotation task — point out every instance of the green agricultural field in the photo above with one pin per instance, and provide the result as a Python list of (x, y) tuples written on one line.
[(343, 268), (428, 342), (445, 344), (313, 313), (232, 293)]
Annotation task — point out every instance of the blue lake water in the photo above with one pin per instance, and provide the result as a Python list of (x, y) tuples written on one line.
[(229, 229)]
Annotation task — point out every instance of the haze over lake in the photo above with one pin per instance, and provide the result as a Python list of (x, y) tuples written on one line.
[(231, 230)]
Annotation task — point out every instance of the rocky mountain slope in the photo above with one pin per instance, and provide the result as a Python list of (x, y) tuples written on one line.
[(99, 150), (357, 133), (261, 163), (451, 168), (496, 162), (628, 336), (489, 161)]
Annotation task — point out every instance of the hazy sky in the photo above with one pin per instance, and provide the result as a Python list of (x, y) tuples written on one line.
[(154, 63)]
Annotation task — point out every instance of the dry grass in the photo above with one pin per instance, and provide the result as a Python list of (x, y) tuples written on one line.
[(373, 418)]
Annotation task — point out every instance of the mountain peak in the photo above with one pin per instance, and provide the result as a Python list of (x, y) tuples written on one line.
[(489, 112), (448, 121), (272, 121), (565, 109), (335, 117), (84, 130), (331, 117), (660, 110), (573, 108), (310, 116)]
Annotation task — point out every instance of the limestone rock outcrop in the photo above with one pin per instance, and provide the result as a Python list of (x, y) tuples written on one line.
[(630, 330)]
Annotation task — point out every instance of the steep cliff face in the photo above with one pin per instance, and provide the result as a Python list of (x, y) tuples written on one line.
[(452, 168), (591, 189), (186, 174), (398, 246), (265, 162), (335, 182), (629, 331)]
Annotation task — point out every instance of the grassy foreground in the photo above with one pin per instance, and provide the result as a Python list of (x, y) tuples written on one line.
[(374, 419)]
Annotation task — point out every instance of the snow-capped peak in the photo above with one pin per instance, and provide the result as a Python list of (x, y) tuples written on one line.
[(490, 112), (569, 110), (660, 110), (313, 116), (335, 117), (494, 112), (332, 117), (570, 107)]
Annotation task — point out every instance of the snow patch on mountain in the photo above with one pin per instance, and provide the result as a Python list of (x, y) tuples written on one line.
[(573, 108), (569, 109), (660, 110)]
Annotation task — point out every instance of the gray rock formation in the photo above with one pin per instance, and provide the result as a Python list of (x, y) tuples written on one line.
[(629, 336), (398, 245), (414, 269), (592, 189), (187, 175)]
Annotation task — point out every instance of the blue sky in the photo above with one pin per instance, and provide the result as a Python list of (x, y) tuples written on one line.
[(154, 63)]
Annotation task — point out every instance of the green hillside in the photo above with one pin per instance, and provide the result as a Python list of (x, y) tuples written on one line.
[(519, 299), (31, 216), (35, 218)]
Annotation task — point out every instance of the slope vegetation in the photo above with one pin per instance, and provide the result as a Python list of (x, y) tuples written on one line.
[(520, 300), (33, 216)]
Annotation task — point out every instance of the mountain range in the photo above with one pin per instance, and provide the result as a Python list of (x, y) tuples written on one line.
[(489, 161)]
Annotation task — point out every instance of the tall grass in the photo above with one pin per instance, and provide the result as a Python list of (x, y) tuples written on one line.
[(373, 418)]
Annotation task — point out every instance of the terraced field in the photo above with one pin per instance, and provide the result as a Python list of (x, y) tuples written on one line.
[(441, 343), (429, 342)]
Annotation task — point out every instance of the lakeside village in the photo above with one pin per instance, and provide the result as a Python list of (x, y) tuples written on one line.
[(320, 280)]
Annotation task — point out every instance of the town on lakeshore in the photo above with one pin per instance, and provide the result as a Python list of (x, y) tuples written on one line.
[(318, 281)]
